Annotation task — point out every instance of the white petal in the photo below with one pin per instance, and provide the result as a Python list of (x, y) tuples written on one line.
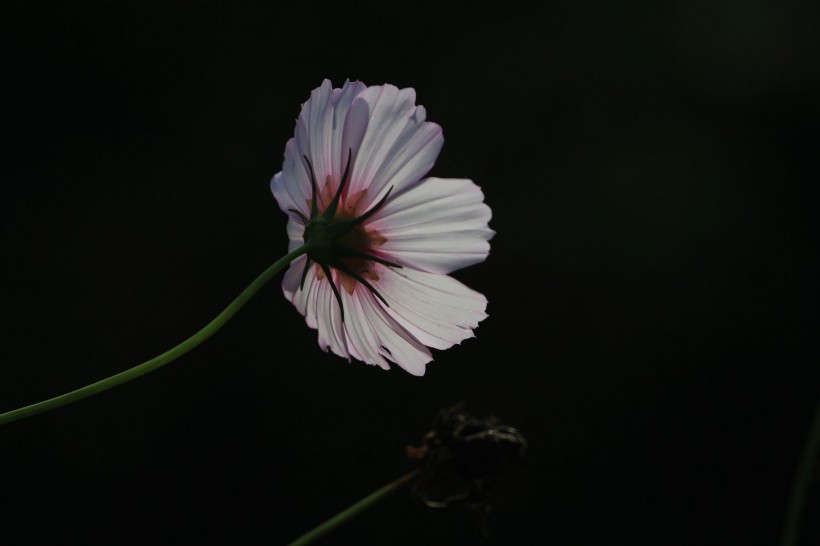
[(313, 130), (397, 148), (295, 230), (426, 310), (290, 280), (375, 334), (320, 131), (303, 299), (323, 135), (318, 305), (361, 337), (438, 226), (331, 327), (291, 186), (437, 310), (369, 333)]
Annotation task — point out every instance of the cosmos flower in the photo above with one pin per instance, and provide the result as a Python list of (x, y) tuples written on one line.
[(375, 282)]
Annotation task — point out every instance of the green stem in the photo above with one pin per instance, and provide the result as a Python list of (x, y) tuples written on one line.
[(210, 329), (801, 482), (353, 510)]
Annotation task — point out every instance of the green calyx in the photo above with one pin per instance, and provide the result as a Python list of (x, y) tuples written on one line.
[(333, 240)]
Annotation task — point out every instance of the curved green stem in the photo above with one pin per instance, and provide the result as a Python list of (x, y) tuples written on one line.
[(353, 510), (801, 482), (210, 329)]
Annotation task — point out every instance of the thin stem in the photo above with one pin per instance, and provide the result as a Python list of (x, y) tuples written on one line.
[(801, 482), (353, 510), (210, 329)]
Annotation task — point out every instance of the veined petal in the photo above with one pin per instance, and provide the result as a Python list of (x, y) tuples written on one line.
[(323, 135), (374, 334), (295, 230), (438, 310), (331, 327), (398, 148), (318, 305), (303, 299), (369, 333), (320, 131), (438, 226), (291, 186), (361, 337)]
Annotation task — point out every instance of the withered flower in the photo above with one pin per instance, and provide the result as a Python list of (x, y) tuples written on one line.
[(464, 458)]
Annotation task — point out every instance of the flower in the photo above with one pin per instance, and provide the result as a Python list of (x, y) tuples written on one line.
[(383, 238), (465, 459)]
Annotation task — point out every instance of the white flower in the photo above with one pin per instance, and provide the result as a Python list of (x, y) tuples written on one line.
[(374, 283)]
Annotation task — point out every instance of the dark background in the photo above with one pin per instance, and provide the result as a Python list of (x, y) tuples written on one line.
[(652, 284)]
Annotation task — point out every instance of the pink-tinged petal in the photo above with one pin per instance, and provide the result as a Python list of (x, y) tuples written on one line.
[(291, 278), (398, 147), (368, 333), (331, 327), (322, 134), (437, 310), (291, 186), (439, 226), (317, 304), (295, 230), (376, 335), (361, 337), (303, 299), (313, 130)]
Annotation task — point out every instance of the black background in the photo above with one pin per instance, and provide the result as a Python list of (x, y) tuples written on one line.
[(652, 283)]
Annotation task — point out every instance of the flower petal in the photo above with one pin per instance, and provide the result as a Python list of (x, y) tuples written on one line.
[(291, 186), (331, 327), (318, 305), (374, 335), (323, 135), (437, 310), (296, 230), (439, 226), (361, 336), (398, 147), (301, 298), (369, 333)]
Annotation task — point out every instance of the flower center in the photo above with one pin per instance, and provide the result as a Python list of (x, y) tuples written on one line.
[(337, 238), (351, 249)]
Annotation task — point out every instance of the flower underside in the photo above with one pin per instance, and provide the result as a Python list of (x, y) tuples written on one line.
[(337, 239), (361, 217)]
